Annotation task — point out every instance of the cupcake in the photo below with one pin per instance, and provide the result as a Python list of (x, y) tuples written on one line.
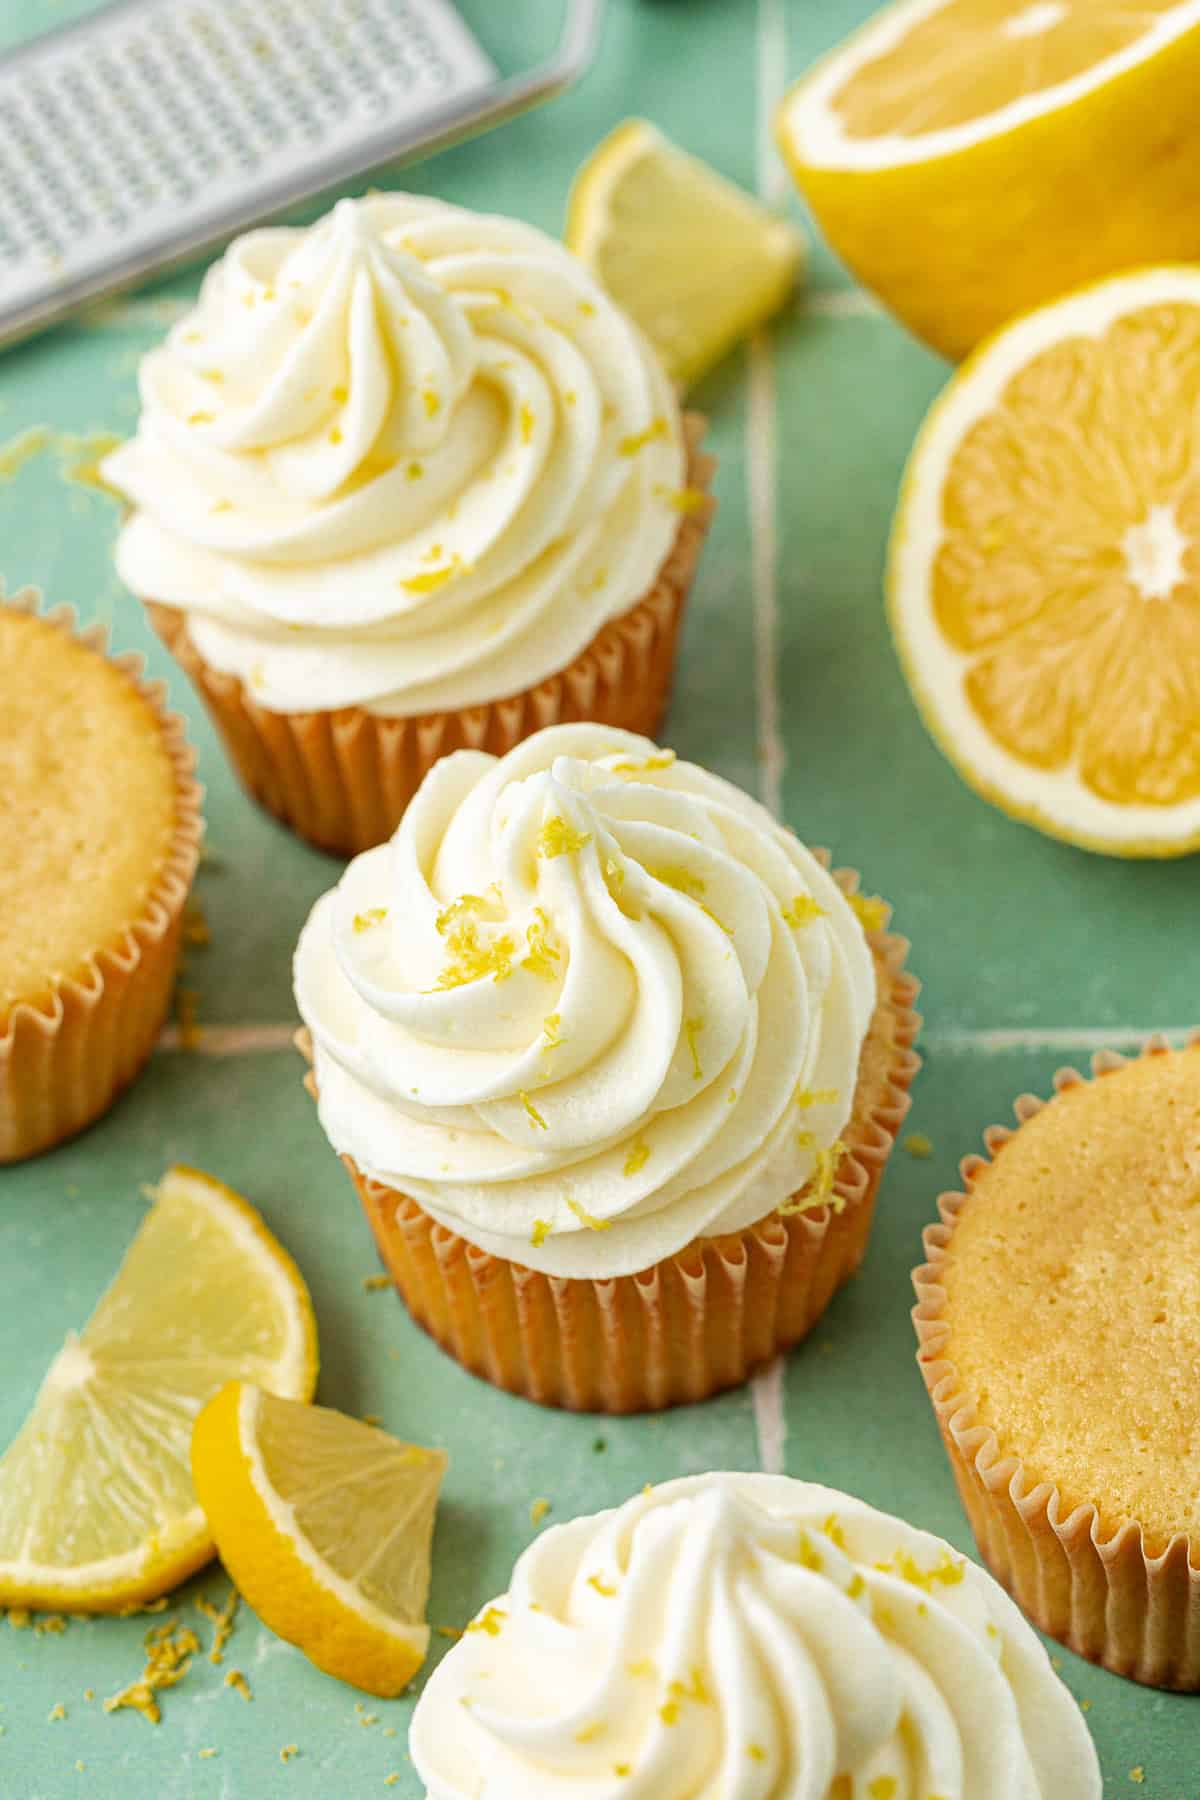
[(99, 838), (1057, 1319), (614, 1063), (405, 483), (748, 1637)]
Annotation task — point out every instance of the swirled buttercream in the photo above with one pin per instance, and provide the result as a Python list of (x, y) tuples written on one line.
[(749, 1637), (411, 459), (589, 1004)]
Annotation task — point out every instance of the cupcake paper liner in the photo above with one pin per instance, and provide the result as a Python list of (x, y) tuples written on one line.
[(342, 779), (1097, 1589), (690, 1326), (63, 1063)]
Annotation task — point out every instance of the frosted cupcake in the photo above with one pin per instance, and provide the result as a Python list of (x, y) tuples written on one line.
[(747, 1637), (615, 1064), (403, 483)]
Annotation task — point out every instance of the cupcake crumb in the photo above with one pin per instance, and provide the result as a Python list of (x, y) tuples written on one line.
[(375, 1284)]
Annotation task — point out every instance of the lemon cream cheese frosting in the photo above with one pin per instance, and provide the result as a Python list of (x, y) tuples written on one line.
[(589, 1004), (410, 459), (749, 1637)]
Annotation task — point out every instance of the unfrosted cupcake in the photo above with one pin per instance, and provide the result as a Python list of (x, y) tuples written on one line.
[(99, 837), (406, 482), (1057, 1319), (747, 1637), (615, 1064)]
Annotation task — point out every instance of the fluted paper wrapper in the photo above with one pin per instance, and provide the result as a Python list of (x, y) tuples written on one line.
[(691, 1325), (63, 1063), (342, 779), (1095, 1588)]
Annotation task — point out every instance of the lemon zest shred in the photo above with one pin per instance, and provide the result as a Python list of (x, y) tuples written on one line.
[(872, 914), (587, 1734), (433, 403), (542, 953), (432, 579), (551, 1033), (756, 1753), (374, 915), (654, 433), (558, 837), (538, 1510), (691, 1030), (684, 500), (542, 1229), (638, 1157), (802, 911), (169, 1651), (490, 1620), (806, 1097), (601, 1586), (649, 765), (235, 1679), (833, 1531), (376, 1284), (532, 1112), (587, 1218), (221, 1618), (527, 423), (917, 1144)]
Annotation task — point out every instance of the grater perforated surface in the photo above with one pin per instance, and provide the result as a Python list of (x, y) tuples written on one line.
[(157, 126)]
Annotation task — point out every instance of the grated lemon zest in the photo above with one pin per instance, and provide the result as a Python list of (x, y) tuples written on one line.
[(654, 432), (221, 1618), (490, 1621), (559, 838), (433, 403), (638, 1157), (527, 423), (803, 910), (691, 1030), (601, 1586), (551, 1032), (589, 1219), (235, 1679), (538, 1510), (374, 915), (533, 1112), (542, 953), (662, 759), (542, 1229), (683, 500), (375, 1284), (432, 579), (806, 1097), (169, 1651), (917, 1144), (872, 914), (587, 1734)]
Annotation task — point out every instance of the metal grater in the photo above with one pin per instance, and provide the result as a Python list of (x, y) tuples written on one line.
[(157, 128)]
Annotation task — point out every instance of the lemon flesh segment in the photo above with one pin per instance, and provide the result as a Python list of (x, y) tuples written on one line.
[(954, 152), (97, 1507), (1044, 570), (325, 1525), (697, 262)]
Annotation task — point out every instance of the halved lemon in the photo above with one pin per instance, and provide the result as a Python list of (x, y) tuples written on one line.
[(695, 260), (97, 1508), (1044, 578), (972, 159), (325, 1526)]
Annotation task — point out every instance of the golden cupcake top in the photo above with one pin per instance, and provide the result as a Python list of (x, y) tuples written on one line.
[(1072, 1288), (88, 805)]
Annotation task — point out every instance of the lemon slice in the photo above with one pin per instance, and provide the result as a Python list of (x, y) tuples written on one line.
[(97, 1508), (972, 159), (697, 262), (325, 1525), (1044, 582)]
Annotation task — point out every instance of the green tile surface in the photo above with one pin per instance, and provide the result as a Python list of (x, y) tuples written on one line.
[(1030, 953)]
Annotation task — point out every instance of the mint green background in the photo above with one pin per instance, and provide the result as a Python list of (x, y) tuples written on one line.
[(1012, 934)]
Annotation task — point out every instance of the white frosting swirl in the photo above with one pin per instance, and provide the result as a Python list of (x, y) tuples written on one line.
[(413, 458), (748, 1637), (588, 1005)]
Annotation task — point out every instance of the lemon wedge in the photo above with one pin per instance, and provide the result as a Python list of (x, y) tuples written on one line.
[(97, 1508), (972, 159), (325, 1526), (1044, 581), (698, 263)]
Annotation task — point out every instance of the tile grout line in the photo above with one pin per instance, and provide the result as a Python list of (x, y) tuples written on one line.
[(770, 1419)]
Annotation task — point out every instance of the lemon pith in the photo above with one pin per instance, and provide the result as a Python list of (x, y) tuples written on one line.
[(1044, 571), (97, 1508), (973, 159), (698, 263), (371, 1502)]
